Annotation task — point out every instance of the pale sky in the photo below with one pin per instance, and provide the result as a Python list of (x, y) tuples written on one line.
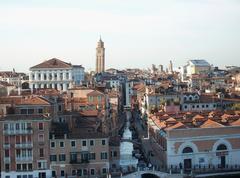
[(137, 33)]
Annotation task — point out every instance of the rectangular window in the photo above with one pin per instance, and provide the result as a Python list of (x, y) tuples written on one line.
[(29, 139), (73, 143), (18, 167), (30, 167), (17, 126), (53, 157), (92, 171), (62, 157), (104, 170), (91, 142), (103, 142), (29, 152), (62, 173), (24, 167), (7, 167), (6, 139), (5, 126), (53, 173), (40, 126), (103, 155), (6, 153), (85, 172), (99, 98), (24, 139), (40, 110), (29, 125), (41, 152), (84, 143), (18, 153), (61, 144), (59, 107), (90, 98), (92, 156), (30, 111), (23, 111), (73, 157), (115, 153), (52, 144), (74, 172), (18, 139)]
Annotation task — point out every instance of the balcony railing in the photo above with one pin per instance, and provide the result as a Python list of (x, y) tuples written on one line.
[(24, 145), (6, 146), (80, 161), (23, 159), (17, 132), (7, 160)]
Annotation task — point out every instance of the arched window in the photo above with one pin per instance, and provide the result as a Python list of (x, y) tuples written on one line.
[(222, 147), (187, 150)]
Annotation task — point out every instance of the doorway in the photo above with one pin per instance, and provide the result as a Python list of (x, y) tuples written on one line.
[(223, 161), (187, 165)]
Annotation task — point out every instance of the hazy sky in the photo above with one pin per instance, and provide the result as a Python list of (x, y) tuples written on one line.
[(136, 33)]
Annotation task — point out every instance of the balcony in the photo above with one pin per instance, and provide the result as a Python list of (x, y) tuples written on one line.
[(7, 160), (18, 132), (24, 145), (24, 159), (80, 161), (6, 146)]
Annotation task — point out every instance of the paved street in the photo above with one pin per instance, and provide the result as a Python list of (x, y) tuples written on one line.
[(151, 149)]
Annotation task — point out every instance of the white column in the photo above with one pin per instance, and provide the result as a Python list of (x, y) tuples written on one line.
[(31, 86), (70, 75), (48, 75), (30, 76), (58, 75), (42, 85), (36, 85), (58, 86), (64, 87), (64, 75), (53, 76), (42, 76), (47, 85), (36, 75)]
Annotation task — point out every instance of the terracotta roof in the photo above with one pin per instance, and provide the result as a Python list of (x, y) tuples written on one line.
[(171, 119), (89, 113), (95, 93), (236, 123), (179, 125), (198, 117), (33, 101), (52, 63), (211, 124)]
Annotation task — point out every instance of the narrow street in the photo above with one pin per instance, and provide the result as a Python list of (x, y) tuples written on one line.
[(149, 146)]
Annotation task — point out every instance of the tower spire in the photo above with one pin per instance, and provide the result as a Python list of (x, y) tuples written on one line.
[(100, 56)]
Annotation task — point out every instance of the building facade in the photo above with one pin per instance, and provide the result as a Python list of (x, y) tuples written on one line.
[(79, 157), (55, 73), (25, 146)]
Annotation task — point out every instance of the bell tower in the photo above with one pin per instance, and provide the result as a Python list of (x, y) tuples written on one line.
[(100, 57)]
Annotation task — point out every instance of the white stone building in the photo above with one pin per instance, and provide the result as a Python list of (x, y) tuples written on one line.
[(216, 146), (197, 66), (55, 73), (196, 141)]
